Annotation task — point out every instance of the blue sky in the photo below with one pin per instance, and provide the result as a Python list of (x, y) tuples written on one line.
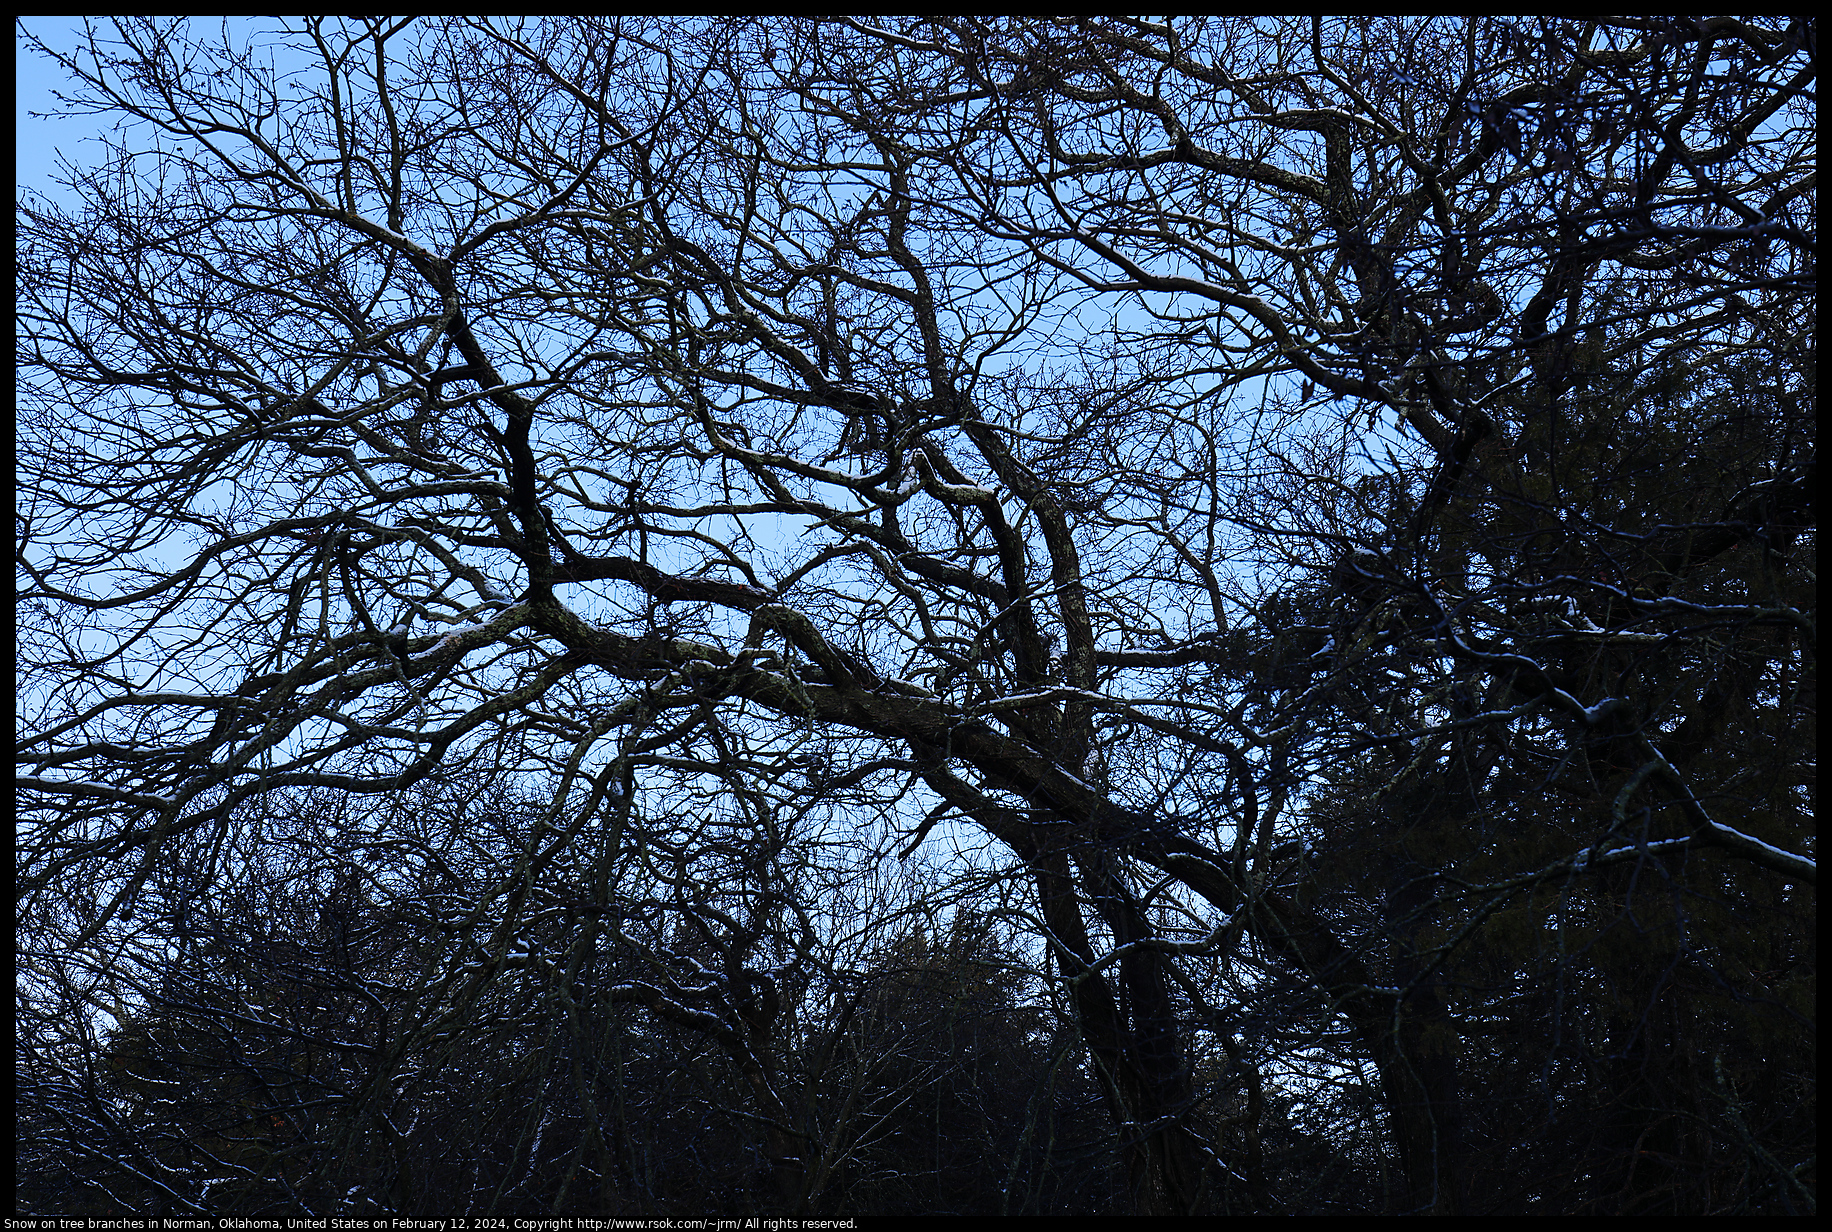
[(39, 140)]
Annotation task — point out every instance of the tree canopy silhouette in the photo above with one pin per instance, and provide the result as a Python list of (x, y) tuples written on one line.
[(547, 547)]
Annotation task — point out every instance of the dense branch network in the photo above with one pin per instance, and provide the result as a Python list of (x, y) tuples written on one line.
[(1316, 501)]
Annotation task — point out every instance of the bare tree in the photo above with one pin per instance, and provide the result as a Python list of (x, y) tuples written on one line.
[(1239, 469)]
